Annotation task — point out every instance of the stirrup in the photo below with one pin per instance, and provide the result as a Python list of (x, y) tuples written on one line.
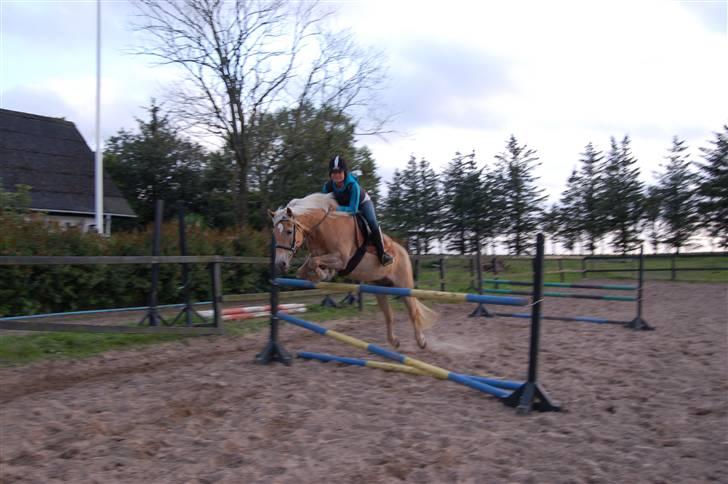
[(386, 259)]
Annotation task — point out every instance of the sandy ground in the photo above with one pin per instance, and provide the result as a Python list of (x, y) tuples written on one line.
[(638, 406)]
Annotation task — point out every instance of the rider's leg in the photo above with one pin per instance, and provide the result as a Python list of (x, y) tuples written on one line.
[(367, 210)]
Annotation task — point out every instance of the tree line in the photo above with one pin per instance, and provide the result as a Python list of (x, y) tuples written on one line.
[(470, 203), (278, 92), (157, 161)]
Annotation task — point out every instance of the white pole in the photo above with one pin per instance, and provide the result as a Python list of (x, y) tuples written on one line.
[(99, 162)]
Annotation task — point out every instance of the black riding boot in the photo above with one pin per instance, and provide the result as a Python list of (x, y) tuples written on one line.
[(384, 258)]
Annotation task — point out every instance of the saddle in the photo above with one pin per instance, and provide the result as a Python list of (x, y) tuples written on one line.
[(364, 242)]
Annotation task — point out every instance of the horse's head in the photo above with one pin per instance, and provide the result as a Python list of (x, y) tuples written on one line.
[(289, 237), (292, 223)]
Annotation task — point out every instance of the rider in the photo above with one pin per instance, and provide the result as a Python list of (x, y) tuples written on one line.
[(352, 198)]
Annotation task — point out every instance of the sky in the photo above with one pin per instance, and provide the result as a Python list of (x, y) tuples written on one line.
[(463, 75)]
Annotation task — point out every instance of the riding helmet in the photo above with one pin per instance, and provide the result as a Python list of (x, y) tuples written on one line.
[(338, 162)]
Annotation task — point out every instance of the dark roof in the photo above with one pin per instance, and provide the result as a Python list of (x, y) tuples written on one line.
[(50, 155)]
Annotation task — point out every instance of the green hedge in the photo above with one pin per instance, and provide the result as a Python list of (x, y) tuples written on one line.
[(40, 289)]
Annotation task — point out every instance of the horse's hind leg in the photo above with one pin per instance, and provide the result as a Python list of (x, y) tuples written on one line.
[(389, 319), (413, 310)]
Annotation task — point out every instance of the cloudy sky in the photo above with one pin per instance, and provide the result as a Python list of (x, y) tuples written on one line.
[(464, 75)]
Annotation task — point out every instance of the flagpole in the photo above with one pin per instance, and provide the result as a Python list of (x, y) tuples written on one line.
[(99, 162)]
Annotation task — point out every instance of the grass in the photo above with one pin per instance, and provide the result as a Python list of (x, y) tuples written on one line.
[(459, 278), (27, 348)]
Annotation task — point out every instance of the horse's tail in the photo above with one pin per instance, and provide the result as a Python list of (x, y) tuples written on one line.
[(423, 316)]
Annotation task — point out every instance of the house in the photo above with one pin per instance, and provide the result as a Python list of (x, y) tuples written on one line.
[(50, 156)]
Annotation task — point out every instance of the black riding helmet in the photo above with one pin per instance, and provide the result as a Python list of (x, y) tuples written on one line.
[(338, 162)]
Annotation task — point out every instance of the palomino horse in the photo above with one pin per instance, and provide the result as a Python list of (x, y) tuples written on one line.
[(330, 237)]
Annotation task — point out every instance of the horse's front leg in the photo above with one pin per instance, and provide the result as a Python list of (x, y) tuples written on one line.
[(321, 268)]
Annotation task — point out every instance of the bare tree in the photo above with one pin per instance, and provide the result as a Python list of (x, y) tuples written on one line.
[(243, 59)]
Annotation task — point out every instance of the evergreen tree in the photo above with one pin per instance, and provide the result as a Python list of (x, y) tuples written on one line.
[(713, 189), (591, 213), (410, 192), (369, 180), (622, 196), (219, 179), (484, 215), (457, 200), (521, 198), (652, 216), (676, 186), (552, 223), (566, 219), (428, 205), (393, 214), (156, 163), (413, 204)]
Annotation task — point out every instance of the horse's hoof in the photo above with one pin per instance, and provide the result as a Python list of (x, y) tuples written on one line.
[(422, 344), (394, 342)]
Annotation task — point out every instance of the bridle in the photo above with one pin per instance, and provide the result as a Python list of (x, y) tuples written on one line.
[(293, 247)]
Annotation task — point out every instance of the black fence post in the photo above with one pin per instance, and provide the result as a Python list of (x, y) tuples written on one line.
[(638, 322), (152, 313), (273, 350), (188, 309), (216, 279), (473, 283), (480, 310), (530, 395)]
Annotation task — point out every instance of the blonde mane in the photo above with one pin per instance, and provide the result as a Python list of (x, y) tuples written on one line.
[(302, 206)]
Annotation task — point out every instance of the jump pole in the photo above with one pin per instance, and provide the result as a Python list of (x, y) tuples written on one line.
[(405, 292), (598, 297), (608, 287), (432, 370), (638, 323), (506, 384)]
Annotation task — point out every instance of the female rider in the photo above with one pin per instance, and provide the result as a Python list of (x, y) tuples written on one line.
[(352, 198)]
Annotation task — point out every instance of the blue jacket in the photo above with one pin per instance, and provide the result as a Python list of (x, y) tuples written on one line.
[(350, 196)]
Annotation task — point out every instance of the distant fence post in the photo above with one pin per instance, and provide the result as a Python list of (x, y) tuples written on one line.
[(216, 279), (480, 310), (152, 314), (561, 270), (442, 274), (473, 275), (638, 322), (673, 272), (187, 311), (583, 268)]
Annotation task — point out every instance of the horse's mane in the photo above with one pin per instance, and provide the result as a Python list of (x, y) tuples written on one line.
[(301, 206)]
